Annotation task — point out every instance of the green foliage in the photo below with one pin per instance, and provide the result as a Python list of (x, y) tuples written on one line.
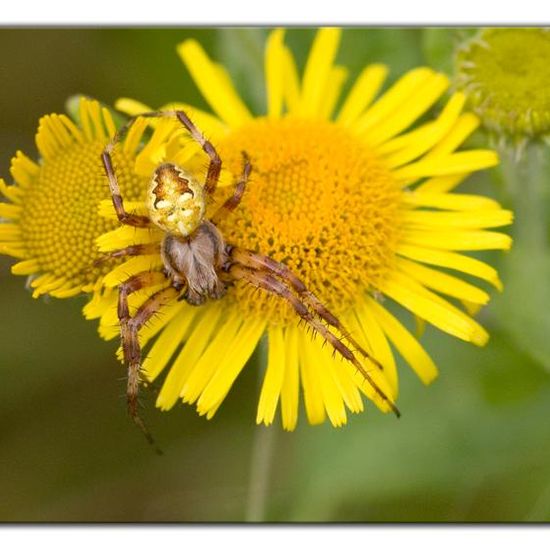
[(523, 309)]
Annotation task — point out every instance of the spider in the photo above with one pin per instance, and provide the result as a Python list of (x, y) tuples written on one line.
[(199, 265)]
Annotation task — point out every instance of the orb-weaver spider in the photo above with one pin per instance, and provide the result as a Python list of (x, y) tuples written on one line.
[(199, 265)]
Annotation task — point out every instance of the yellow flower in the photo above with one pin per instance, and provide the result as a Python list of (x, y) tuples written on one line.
[(51, 217), (359, 205)]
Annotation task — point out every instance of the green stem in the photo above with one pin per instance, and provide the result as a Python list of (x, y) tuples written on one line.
[(527, 184), (258, 489), (261, 460), (521, 310)]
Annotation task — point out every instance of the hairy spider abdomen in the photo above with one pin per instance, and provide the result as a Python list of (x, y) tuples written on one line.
[(195, 261)]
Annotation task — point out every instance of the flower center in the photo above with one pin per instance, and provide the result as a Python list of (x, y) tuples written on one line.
[(63, 205), (320, 201), (507, 77)]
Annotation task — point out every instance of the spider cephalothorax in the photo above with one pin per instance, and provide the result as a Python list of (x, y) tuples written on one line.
[(175, 201), (199, 265)]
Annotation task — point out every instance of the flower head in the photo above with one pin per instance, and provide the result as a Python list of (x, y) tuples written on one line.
[(506, 77), (355, 202), (51, 214)]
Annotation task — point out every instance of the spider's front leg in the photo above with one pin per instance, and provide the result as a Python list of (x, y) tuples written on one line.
[(212, 174), (234, 200), (129, 330), (123, 217), (256, 270)]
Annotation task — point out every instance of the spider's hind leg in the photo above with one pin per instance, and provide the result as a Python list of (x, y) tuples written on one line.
[(129, 329), (261, 262), (266, 279)]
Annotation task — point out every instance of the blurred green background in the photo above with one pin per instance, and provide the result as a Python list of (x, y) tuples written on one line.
[(475, 446)]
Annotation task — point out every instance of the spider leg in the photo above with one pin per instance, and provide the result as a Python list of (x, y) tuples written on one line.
[(129, 330), (232, 202), (132, 250), (118, 203), (255, 261), (267, 281), (215, 165), (212, 175)]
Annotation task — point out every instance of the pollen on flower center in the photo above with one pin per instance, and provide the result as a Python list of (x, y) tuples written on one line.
[(506, 75), (320, 201), (63, 205)]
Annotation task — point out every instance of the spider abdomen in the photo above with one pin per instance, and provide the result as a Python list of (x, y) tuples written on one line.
[(175, 200), (195, 261)]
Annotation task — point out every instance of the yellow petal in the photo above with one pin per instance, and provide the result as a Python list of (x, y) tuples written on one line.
[(132, 107), (274, 73), (214, 86), (13, 193), (456, 163), (66, 292), (16, 250), (291, 82), (336, 78), (317, 70), (166, 344), (362, 94), (274, 376), (23, 169), (158, 322), (313, 398), (231, 364), (291, 383), (392, 100), (178, 381), (378, 345), (72, 128), (442, 184), (26, 267), (459, 240), (472, 219), (126, 235), (407, 147), (99, 304), (210, 126), (413, 108), (343, 377), (442, 282), (450, 201), (203, 369), (10, 232), (452, 260), (464, 126), (407, 345), (433, 309), (133, 266), (332, 396), (10, 211)]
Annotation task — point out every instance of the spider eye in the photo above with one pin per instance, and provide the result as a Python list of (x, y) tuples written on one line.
[(175, 200)]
